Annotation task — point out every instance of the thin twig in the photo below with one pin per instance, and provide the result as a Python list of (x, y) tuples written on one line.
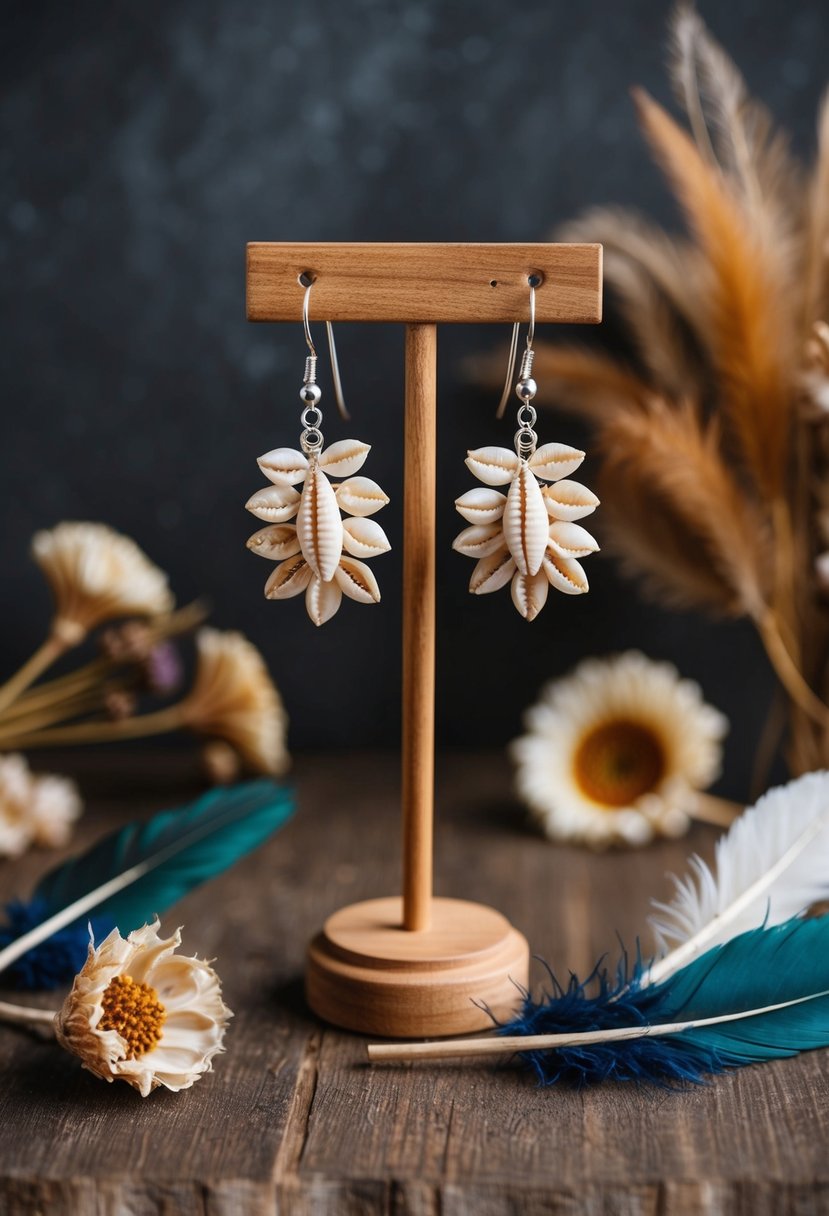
[(720, 812), (163, 720), (45, 655), (22, 1015), (788, 672)]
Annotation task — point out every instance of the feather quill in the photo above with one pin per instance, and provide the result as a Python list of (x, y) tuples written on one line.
[(770, 866), (143, 868), (763, 995)]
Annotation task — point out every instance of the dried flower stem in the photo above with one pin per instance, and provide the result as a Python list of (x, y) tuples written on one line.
[(173, 717), (720, 812), (57, 692), (22, 1015), (46, 654), (61, 711), (787, 670)]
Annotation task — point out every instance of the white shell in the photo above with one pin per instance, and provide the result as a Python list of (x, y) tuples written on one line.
[(479, 540), (275, 542), (565, 574), (555, 460), (493, 466), (274, 503), (493, 572), (571, 540), (364, 538), (344, 458), (357, 581), (360, 496), (322, 600), (319, 526), (284, 466), (481, 505), (289, 579), (525, 522), (569, 500), (529, 593)]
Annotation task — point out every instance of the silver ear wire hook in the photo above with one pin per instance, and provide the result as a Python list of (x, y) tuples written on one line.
[(332, 350), (513, 351), (527, 359)]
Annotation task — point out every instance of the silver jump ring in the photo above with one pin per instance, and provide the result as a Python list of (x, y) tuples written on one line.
[(311, 440), (311, 417)]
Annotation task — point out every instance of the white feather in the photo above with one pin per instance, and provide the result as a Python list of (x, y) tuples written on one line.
[(771, 865)]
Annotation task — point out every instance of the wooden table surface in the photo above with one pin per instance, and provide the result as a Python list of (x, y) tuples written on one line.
[(293, 1119)]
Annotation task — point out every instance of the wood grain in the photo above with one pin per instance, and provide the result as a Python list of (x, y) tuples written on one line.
[(419, 511), (293, 1120), (367, 973), (414, 283)]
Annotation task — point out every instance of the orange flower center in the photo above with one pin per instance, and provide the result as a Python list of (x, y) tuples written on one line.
[(619, 761), (135, 1011)]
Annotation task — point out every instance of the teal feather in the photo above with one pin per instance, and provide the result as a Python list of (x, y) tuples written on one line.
[(786, 965), (140, 870), (629, 1030), (197, 842)]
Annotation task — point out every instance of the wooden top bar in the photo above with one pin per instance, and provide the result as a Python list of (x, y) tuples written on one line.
[(413, 283)]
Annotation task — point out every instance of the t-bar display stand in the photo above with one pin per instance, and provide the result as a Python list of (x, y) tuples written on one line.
[(417, 965)]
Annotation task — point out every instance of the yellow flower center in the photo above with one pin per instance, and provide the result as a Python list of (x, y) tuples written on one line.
[(135, 1011), (618, 761)]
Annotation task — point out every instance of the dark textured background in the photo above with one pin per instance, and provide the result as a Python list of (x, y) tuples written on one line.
[(143, 144)]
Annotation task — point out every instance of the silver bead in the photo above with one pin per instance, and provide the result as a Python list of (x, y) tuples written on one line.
[(526, 389), (310, 394)]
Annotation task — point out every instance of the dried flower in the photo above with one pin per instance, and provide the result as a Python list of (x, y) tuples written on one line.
[(54, 806), (97, 574), (140, 1013), (234, 698), (616, 751), (162, 669), (15, 790), (34, 809)]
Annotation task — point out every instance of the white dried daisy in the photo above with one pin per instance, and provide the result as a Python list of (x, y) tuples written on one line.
[(616, 752), (34, 808), (97, 574), (140, 1013), (54, 807), (234, 698)]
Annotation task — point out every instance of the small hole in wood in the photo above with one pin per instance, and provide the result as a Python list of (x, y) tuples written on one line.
[(535, 279), (306, 278), (493, 282)]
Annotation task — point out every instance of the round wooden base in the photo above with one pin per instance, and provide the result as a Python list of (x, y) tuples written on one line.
[(366, 973)]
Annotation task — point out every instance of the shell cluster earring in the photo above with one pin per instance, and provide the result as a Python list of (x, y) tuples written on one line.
[(321, 553), (526, 537)]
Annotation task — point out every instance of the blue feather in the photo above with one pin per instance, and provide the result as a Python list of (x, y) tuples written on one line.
[(604, 1002), (785, 965), (174, 852), (55, 961)]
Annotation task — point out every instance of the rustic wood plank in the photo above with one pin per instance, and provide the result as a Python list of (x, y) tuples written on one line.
[(424, 283), (294, 1120)]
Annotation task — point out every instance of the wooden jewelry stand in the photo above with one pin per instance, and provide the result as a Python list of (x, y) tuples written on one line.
[(420, 966)]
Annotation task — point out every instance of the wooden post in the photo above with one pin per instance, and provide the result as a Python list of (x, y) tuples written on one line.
[(418, 748), (415, 965)]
